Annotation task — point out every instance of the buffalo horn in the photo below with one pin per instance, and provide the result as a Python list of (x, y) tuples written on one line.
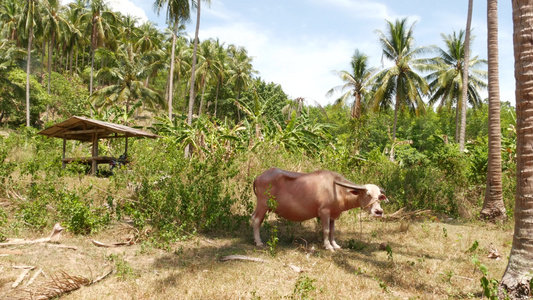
[(350, 185)]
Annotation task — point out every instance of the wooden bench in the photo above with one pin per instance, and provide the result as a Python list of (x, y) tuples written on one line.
[(92, 161)]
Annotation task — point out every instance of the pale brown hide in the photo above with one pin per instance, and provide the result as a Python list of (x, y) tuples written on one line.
[(303, 196)]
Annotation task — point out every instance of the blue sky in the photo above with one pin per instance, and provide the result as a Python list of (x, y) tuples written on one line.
[(299, 43)]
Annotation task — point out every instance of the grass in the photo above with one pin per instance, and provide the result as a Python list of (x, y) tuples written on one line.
[(425, 259)]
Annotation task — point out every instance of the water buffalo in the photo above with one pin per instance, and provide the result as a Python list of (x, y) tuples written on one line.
[(303, 196)]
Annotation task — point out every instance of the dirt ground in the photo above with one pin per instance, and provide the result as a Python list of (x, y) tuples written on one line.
[(427, 258)]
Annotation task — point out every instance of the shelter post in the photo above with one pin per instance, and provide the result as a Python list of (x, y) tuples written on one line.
[(95, 152), (64, 164)]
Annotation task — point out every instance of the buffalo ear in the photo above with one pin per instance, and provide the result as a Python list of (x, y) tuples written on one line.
[(353, 188), (383, 198)]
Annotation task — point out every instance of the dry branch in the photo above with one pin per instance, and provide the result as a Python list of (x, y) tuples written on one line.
[(32, 279), (241, 257), (100, 244), (54, 236), (62, 246), (25, 272), (399, 215), (295, 268)]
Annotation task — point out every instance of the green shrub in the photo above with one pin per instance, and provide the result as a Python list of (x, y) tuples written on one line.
[(79, 216), (179, 197)]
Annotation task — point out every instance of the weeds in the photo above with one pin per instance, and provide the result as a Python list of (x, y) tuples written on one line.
[(389, 255), (273, 241), (384, 287), (303, 288), (355, 245), (123, 269), (489, 286)]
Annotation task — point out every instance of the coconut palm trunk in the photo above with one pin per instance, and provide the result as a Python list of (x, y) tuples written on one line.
[(171, 77), (466, 61), (192, 94), (517, 276), (28, 69), (493, 206)]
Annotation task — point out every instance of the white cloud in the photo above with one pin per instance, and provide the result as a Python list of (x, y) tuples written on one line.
[(127, 7), (359, 9), (303, 66)]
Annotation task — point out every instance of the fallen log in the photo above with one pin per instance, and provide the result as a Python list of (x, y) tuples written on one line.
[(54, 236)]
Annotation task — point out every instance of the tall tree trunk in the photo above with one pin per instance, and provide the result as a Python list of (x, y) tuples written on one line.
[(517, 276), (171, 75), (50, 47), (356, 111), (396, 108), (28, 69), (193, 70), (202, 84), (92, 70), (466, 62), (71, 61), (493, 206), (237, 107), (43, 51), (216, 97), (457, 122), (77, 51)]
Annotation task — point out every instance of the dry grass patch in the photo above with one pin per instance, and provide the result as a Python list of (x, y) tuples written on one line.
[(425, 259)]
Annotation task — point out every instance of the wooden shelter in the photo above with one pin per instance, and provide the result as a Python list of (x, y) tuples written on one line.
[(90, 130)]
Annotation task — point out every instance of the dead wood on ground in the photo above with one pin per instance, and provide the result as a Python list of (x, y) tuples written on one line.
[(54, 236)]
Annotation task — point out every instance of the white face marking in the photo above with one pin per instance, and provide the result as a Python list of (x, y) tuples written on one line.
[(373, 206)]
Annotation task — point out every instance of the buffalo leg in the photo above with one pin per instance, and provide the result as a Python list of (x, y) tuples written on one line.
[(332, 234), (257, 219), (324, 218)]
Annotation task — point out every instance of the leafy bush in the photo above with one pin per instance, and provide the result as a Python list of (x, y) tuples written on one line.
[(78, 215), (3, 221), (69, 95), (16, 113), (179, 197)]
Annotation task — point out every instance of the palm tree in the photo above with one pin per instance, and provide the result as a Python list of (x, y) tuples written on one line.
[(10, 15), (357, 84), (462, 136), (221, 57), (193, 66), (54, 22), (516, 281), (129, 33), (30, 17), (128, 71), (150, 38), (99, 20), (150, 42), (75, 10), (400, 80), (493, 206), (446, 80), (208, 69), (73, 34), (177, 11), (241, 70)]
